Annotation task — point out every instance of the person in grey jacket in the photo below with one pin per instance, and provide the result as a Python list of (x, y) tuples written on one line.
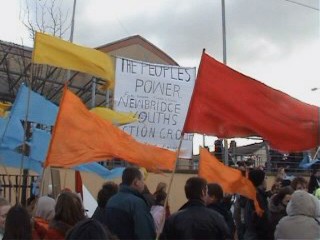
[(303, 220), (127, 214)]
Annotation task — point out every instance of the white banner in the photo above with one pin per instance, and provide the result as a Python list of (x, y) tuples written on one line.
[(160, 96)]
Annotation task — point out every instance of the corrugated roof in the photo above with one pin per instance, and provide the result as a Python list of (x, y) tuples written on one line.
[(249, 149)]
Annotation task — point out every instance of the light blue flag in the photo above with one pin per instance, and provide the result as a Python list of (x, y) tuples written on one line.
[(13, 159), (310, 164), (11, 133), (39, 144), (40, 110), (307, 162), (100, 170), (43, 112)]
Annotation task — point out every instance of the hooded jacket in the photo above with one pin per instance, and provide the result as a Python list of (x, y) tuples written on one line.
[(303, 220)]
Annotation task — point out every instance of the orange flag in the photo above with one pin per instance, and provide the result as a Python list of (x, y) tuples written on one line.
[(231, 180), (80, 136), (227, 104)]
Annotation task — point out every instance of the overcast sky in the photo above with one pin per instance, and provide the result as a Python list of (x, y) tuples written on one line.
[(273, 41)]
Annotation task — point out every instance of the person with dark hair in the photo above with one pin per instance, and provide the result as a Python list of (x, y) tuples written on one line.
[(162, 187), (277, 206), (194, 220), (18, 224), (106, 192), (148, 196), (299, 183), (4, 209), (68, 212), (158, 211), (31, 203), (127, 213), (257, 227), (215, 202), (285, 182), (239, 207), (314, 181), (277, 184), (89, 229)]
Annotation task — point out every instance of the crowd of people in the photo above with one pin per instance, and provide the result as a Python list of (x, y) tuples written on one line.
[(130, 211)]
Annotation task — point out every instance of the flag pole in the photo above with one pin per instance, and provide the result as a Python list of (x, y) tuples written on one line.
[(224, 41), (72, 20), (170, 183), (175, 167), (72, 31), (316, 154), (224, 46), (25, 126)]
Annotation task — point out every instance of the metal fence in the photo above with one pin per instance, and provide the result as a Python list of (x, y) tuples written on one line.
[(11, 185)]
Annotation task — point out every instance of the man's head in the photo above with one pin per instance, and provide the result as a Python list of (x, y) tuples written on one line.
[(132, 177), (257, 177), (4, 209), (106, 192), (196, 188), (215, 193), (316, 171)]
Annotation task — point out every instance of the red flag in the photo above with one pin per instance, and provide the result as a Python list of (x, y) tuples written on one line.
[(80, 136), (226, 104), (230, 179), (78, 184)]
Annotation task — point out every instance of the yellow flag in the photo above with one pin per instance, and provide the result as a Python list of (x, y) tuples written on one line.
[(118, 118), (56, 52), (4, 108)]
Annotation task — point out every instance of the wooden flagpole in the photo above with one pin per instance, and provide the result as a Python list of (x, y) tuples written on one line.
[(173, 172), (170, 184)]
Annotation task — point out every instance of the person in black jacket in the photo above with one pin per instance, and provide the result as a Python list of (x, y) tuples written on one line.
[(106, 192), (194, 220), (314, 181), (215, 202), (257, 227)]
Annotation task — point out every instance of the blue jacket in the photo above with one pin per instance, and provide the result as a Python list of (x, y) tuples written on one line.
[(127, 215)]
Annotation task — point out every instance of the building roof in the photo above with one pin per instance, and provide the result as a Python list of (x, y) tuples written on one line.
[(137, 40), (249, 149), (15, 66)]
